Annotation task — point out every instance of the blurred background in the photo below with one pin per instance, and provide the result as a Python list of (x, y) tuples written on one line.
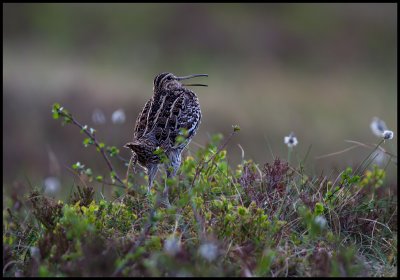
[(322, 71)]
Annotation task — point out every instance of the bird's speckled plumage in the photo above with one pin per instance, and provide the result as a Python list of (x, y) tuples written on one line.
[(172, 110)]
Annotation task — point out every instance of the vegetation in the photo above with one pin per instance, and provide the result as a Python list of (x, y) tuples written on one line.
[(250, 220)]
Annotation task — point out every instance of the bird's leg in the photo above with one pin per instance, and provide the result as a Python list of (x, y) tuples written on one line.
[(171, 169), (170, 174), (151, 172), (165, 192)]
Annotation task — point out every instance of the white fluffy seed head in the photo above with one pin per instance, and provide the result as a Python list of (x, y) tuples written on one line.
[(388, 134), (378, 126), (172, 245), (118, 116), (51, 185), (320, 221), (208, 251)]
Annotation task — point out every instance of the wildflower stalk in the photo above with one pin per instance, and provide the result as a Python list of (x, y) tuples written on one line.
[(289, 154), (366, 159), (290, 141)]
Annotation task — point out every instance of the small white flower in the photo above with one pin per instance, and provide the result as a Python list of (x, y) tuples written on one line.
[(290, 140), (92, 130), (118, 116), (321, 221), (98, 116), (35, 252), (388, 134), (378, 126), (172, 245), (51, 185), (208, 251)]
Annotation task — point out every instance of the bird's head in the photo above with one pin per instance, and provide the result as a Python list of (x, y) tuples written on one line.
[(168, 81)]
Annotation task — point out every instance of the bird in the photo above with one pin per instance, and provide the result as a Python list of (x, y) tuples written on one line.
[(172, 111)]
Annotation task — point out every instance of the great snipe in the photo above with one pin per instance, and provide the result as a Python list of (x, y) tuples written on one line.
[(172, 111)]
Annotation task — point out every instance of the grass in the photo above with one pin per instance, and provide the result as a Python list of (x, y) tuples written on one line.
[(268, 219)]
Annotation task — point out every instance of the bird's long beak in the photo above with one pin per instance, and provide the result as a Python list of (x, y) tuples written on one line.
[(198, 85), (192, 76)]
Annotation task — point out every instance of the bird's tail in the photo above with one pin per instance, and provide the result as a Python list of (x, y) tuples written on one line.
[(131, 145), (144, 151), (135, 146)]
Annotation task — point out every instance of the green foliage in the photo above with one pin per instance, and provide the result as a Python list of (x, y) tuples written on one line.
[(347, 178), (112, 150), (374, 177), (87, 142), (236, 128), (319, 208), (223, 221), (77, 221), (264, 265), (59, 111)]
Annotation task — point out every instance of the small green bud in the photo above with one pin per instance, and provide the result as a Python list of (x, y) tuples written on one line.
[(236, 128)]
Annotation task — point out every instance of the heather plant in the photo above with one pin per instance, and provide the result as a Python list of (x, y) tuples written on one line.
[(248, 220)]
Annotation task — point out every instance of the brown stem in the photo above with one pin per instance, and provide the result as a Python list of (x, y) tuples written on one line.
[(91, 136)]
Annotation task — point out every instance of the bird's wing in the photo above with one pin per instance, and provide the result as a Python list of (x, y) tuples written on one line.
[(172, 114), (142, 120), (190, 116), (181, 117)]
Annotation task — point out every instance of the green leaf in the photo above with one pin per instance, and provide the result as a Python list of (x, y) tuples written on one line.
[(265, 263), (319, 208), (99, 178), (113, 176), (55, 115), (179, 139), (77, 166), (183, 131), (67, 116), (242, 211), (112, 150), (55, 109), (87, 142)]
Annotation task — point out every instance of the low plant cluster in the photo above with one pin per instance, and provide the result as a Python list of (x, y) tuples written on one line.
[(250, 220)]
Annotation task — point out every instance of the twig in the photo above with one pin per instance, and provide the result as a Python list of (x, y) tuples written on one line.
[(337, 153), (93, 137), (122, 159), (8, 264), (369, 146)]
